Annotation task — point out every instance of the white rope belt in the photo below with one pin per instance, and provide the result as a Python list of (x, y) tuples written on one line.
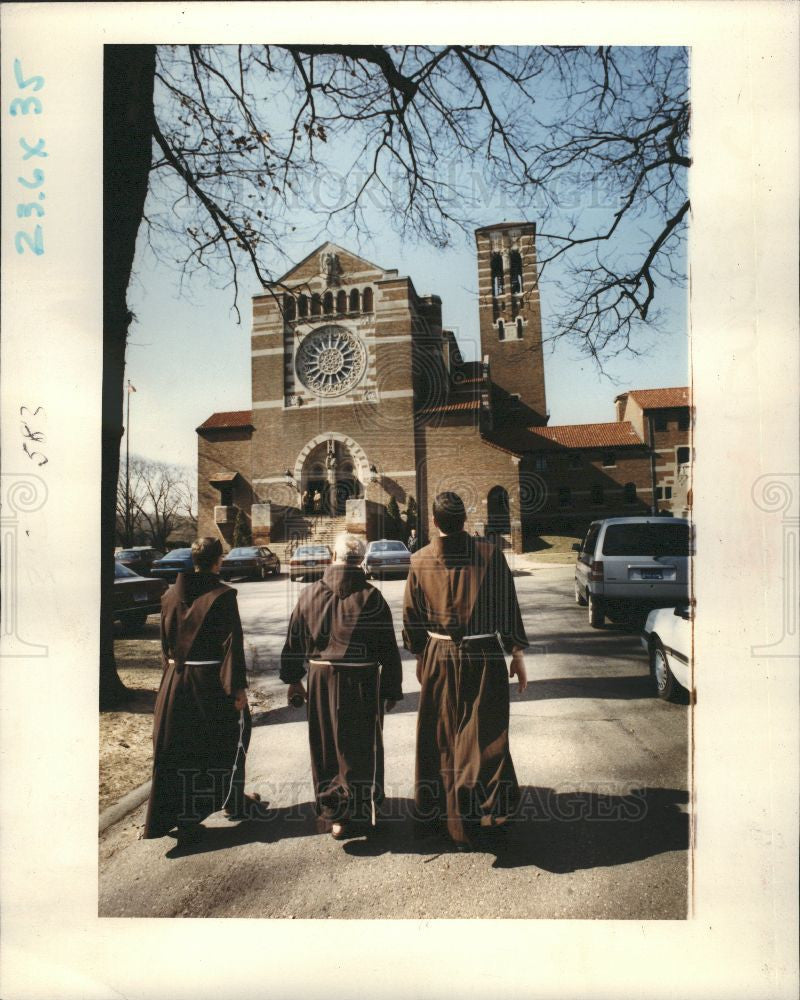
[(482, 635), (198, 663), (340, 663)]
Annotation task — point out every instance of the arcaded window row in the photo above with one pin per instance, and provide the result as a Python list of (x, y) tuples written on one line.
[(342, 304)]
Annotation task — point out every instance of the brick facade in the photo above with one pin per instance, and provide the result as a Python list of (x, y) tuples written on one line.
[(359, 393)]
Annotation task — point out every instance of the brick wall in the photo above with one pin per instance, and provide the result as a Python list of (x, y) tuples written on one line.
[(595, 489)]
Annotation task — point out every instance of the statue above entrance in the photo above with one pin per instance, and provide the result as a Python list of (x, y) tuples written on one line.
[(330, 269)]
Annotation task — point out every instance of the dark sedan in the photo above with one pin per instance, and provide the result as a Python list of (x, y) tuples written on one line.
[(135, 597), (174, 562), (254, 561), (139, 558), (386, 556)]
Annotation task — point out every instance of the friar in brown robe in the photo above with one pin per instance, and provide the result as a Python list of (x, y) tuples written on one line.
[(343, 627), (201, 726), (460, 615)]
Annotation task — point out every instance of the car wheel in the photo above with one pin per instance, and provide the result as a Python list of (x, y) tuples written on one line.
[(666, 685), (597, 614), (277, 570), (264, 572), (579, 597)]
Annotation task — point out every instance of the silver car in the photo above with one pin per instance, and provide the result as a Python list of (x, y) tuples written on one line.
[(630, 565), (386, 556)]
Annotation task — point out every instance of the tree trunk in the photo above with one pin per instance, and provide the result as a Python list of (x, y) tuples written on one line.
[(129, 73)]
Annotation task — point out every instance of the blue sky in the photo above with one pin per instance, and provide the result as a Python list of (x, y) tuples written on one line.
[(188, 356)]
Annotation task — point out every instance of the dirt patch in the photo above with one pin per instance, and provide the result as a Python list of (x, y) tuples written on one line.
[(126, 734)]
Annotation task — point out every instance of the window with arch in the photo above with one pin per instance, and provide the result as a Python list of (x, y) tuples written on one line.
[(516, 273), (302, 306), (501, 330), (498, 277), (630, 492), (341, 302), (327, 303), (316, 305), (354, 301), (366, 300), (288, 307), (519, 328)]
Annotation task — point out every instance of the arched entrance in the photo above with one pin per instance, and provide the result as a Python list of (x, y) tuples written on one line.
[(330, 475), (498, 513)]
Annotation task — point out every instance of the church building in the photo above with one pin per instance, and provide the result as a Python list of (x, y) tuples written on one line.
[(360, 395)]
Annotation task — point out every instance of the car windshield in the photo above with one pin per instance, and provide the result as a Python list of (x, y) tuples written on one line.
[(312, 550), (388, 547), (248, 550), (179, 554), (127, 554), (121, 571), (646, 539)]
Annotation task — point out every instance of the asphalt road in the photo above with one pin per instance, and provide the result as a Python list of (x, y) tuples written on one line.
[(602, 763)]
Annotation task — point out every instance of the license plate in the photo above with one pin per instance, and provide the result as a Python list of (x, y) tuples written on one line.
[(652, 574), (311, 563), (140, 597)]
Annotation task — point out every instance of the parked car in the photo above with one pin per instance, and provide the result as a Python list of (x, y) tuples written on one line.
[(174, 562), (139, 558), (629, 565), (667, 637), (250, 560), (308, 561), (135, 597), (386, 556)]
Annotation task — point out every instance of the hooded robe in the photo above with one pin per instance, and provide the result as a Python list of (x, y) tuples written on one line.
[(344, 627), (197, 763), (461, 586)]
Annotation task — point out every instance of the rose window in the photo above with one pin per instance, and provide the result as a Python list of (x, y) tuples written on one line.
[(330, 361)]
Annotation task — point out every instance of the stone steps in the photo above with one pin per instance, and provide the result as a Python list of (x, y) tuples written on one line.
[(311, 531)]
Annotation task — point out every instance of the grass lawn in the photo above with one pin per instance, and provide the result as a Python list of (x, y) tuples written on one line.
[(552, 548)]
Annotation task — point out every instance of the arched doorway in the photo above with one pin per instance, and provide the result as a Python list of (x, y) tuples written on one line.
[(498, 513), (329, 478)]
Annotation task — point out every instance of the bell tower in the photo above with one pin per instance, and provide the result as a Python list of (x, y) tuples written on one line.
[(510, 320)]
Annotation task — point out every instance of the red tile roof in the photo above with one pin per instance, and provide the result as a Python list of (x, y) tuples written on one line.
[(616, 434), (468, 404), (657, 399), (231, 418)]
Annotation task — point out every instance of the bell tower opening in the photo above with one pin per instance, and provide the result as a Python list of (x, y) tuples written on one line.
[(510, 320)]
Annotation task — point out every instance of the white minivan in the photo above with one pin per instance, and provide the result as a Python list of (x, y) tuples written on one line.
[(633, 564)]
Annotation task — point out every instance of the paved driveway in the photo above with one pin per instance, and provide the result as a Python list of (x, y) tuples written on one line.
[(602, 763)]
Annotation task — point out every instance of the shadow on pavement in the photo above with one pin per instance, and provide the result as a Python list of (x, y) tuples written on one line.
[(621, 688), (276, 824), (558, 832)]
